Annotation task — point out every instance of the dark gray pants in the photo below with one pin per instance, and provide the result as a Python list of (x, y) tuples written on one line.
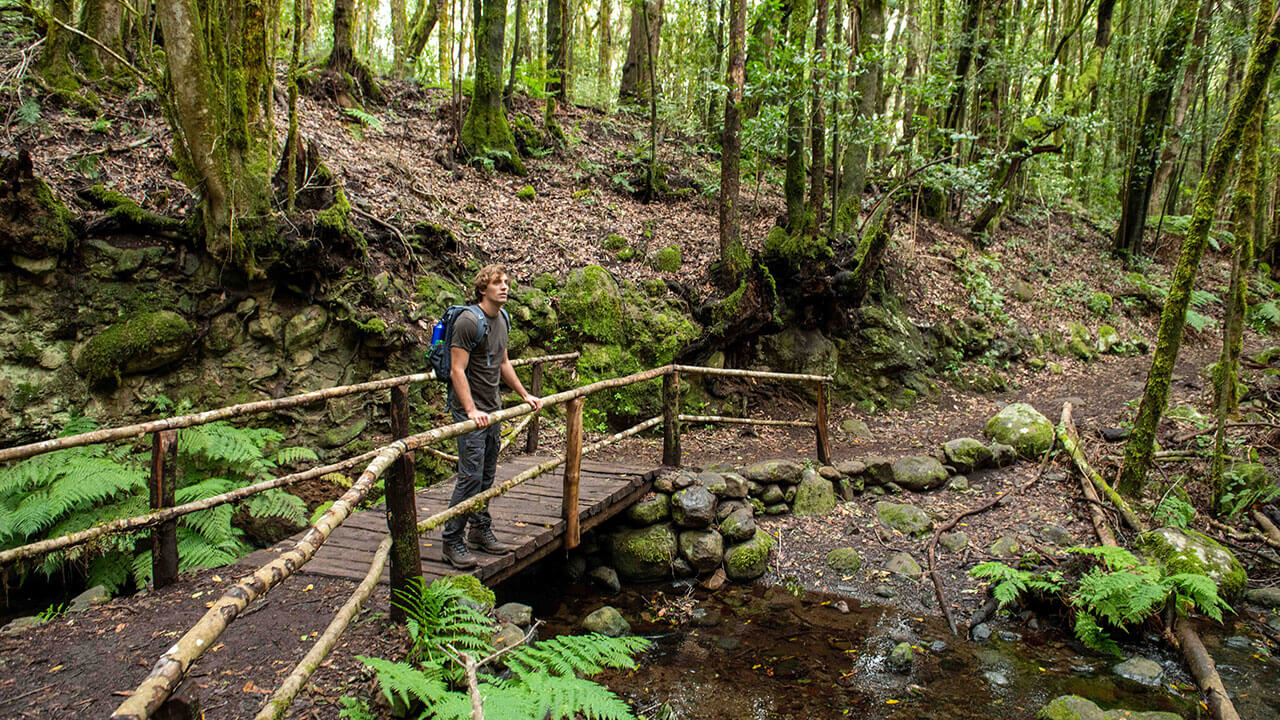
[(477, 463)]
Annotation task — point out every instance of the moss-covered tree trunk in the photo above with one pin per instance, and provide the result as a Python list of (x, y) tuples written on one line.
[(102, 20), (638, 84), (558, 20), (966, 42), (793, 181), (1138, 452), (732, 255), (1023, 143), (399, 38), (1164, 75), (349, 74), (1191, 79), (221, 114), (54, 66), (604, 49), (866, 83), (485, 132), (817, 119), (424, 21)]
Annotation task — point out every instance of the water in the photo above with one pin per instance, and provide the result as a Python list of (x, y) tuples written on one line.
[(762, 653)]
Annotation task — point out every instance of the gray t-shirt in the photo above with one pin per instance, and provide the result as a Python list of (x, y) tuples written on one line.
[(484, 367)]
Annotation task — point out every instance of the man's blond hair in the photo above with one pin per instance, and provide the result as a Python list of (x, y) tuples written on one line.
[(487, 275)]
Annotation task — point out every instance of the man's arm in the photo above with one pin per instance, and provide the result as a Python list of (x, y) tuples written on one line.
[(458, 359), (512, 380)]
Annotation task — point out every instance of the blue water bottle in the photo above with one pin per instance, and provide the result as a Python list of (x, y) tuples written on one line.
[(437, 332)]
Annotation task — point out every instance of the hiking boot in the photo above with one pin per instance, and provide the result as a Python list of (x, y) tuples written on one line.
[(484, 539), (457, 555)]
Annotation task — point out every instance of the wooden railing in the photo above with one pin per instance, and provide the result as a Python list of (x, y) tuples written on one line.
[(401, 547)]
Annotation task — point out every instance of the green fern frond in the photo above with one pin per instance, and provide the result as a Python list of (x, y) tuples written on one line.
[(561, 697), (223, 444), (293, 455), (1203, 298), (277, 503), (1198, 321), (1089, 632), (1114, 558), (205, 488), (407, 683), (1202, 592), (213, 524), (196, 551), (574, 654)]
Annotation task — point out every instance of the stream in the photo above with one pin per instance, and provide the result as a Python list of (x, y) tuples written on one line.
[(762, 653)]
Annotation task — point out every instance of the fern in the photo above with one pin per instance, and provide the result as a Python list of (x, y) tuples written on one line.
[(1203, 298), (1197, 321), (1264, 316), (1010, 583), (1174, 511), (367, 119)]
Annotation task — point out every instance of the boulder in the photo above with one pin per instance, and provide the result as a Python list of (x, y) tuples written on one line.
[(607, 621), (739, 526), (1003, 455), (507, 635), (844, 560), (146, 341), (786, 472), (959, 483), (713, 482), (855, 429), (515, 613), (735, 486), (799, 351), (851, 468), (305, 328), (1022, 427), (879, 470), (750, 559), (1187, 551), (814, 495), (1057, 535), (1139, 671), (1108, 339), (644, 554), (592, 301), (966, 454), (953, 541), (650, 509), (772, 495), (725, 508), (1266, 597), (22, 624), (1006, 546), (780, 508), (606, 578), (96, 595), (1070, 707), (704, 549), (906, 519), (905, 565), (693, 507), (900, 658), (919, 473)]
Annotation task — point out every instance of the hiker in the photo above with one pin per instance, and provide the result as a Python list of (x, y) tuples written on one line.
[(475, 371)]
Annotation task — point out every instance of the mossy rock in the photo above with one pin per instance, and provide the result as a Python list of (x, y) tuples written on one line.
[(472, 588), (906, 519), (592, 301), (844, 560), (1187, 551), (1023, 427), (143, 342), (966, 454), (815, 495), (919, 473), (626, 254), (799, 351), (1099, 304), (644, 554), (1070, 707), (748, 560), (668, 259), (650, 509), (1108, 340), (613, 241), (527, 193), (34, 223), (435, 294)]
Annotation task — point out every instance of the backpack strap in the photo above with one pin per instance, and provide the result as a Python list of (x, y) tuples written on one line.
[(482, 331)]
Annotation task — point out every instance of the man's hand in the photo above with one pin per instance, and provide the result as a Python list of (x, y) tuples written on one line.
[(480, 417), (536, 402)]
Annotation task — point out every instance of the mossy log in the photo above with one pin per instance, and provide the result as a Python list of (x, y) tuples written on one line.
[(123, 212), (1071, 443)]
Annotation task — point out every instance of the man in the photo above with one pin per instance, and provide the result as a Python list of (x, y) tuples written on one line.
[(475, 374)]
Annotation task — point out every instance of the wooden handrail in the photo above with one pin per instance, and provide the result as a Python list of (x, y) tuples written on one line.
[(126, 432)]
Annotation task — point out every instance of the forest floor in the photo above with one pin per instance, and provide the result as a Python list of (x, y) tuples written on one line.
[(396, 170)]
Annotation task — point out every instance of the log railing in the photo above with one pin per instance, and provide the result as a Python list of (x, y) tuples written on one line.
[(394, 459)]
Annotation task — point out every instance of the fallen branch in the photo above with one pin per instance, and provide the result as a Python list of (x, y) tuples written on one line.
[(1268, 527), (1192, 435), (1070, 440), (1203, 670), (937, 532), (1245, 537)]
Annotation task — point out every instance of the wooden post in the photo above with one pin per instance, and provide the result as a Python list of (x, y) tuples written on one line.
[(164, 537), (535, 387), (402, 509), (572, 471), (820, 426), (671, 419)]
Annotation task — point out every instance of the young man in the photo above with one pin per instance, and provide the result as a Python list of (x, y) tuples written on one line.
[(475, 374)]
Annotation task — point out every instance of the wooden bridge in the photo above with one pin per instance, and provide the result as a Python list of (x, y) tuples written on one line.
[(534, 510), (530, 517)]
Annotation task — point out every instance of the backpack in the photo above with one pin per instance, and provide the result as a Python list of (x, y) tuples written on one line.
[(442, 338)]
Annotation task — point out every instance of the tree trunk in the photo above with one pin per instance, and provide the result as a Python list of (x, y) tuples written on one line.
[(1022, 144), (348, 73), (399, 38), (222, 120), (954, 119), (732, 255), (1137, 193), (309, 28), (817, 119), (54, 65), (1190, 81), (793, 182), (604, 60), (424, 21), (1138, 451), (866, 87), (557, 49), (521, 31), (103, 20), (485, 133), (638, 86)]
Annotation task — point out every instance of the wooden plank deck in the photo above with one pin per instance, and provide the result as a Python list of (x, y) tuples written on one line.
[(528, 517)]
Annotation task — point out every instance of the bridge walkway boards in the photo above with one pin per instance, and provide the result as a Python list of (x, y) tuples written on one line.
[(528, 517)]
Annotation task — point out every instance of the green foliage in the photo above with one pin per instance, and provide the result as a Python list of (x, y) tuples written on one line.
[(66, 491), (1264, 316), (1174, 511), (983, 297), (366, 119), (1116, 591), (544, 678)]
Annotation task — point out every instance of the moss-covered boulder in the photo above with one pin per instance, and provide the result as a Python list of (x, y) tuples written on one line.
[(1187, 551), (592, 301), (704, 549), (1099, 303), (1108, 340), (693, 507), (1080, 343), (1022, 427), (844, 560), (905, 565), (1070, 707), (650, 509), (919, 473), (748, 560), (143, 342), (475, 590), (773, 471), (966, 454), (815, 495), (738, 526), (799, 351), (607, 621), (906, 519), (306, 327), (435, 293), (644, 554), (668, 259)]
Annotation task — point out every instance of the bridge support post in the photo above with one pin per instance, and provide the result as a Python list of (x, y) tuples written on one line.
[(161, 487), (572, 472), (535, 387), (820, 426), (402, 509), (671, 419)]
